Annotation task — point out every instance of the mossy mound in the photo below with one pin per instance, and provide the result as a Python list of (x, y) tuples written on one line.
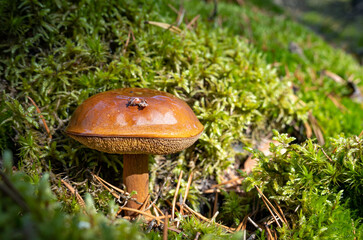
[(74, 51), (234, 69)]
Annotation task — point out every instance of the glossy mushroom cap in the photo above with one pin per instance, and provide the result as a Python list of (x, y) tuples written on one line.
[(135, 121)]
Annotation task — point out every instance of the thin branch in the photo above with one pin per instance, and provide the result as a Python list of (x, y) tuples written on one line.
[(242, 225), (326, 155), (254, 224), (197, 236), (74, 192), (268, 203), (176, 195), (194, 20), (156, 199), (180, 17), (206, 219), (186, 192), (110, 185), (282, 214), (227, 182), (143, 213), (41, 117), (157, 214), (127, 43), (269, 233), (166, 26)]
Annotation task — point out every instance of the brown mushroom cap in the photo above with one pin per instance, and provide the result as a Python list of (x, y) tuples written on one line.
[(109, 123)]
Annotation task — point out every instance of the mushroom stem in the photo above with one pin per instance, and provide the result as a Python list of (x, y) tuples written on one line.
[(136, 178)]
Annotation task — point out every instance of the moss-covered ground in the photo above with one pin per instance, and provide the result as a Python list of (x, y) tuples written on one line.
[(247, 70)]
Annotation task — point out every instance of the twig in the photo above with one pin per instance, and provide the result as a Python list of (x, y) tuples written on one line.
[(197, 236), (361, 134), (119, 212), (213, 190), (144, 203), (41, 117), (166, 26), (195, 19), (107, 188), (143, 213), (242, 225), (268, 203), (213, 219), (186, 192), (74, 192), (337, 103), (227, 182), (316, 129), (156, 199), (158, 209), (157, 214), (308, 131), (254, 224), (165, 230), (269, 233), (176, 195), (150, 226), (173, 8), (269, 209), (206, 219), (127, 43), (110, 185), (103, 182), (326, 155), (180, 17), (282, 214)]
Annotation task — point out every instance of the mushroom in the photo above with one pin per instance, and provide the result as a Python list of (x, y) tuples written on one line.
[(135, 122)]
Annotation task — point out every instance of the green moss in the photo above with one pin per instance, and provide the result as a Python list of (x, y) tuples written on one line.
[(237, 75), (271, 34), (29, 209), (326, 188), (228, 84)]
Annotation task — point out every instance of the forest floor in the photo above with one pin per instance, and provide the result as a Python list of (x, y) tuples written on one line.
[(339, 22)]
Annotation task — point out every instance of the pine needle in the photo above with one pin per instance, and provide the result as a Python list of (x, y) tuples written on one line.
[(41, 117), (74, 192), (176, 195), (166, 26)]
